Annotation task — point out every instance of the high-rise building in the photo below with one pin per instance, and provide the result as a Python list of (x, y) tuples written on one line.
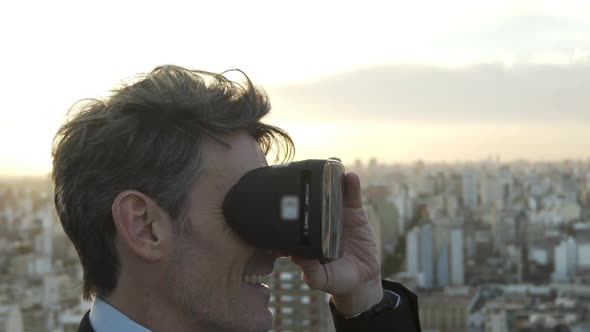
[(446, 311), (451, 205), (295, 306), (398, 200), (387, 215), (11, 318), (442, 271), (426, 256), (491, 191), (572, 255), (522, 234), (470, 189), (51, 296), (435, 258), (565, 260), (496, 320), (412, 252), (560, 272), (457, 263), (372, 172), (584, 256)]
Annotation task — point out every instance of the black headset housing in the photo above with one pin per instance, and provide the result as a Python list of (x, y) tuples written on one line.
[(295, 209)]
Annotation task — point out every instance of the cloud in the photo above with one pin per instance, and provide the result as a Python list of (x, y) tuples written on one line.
[(493, 94), (551, 57), (524, 34)]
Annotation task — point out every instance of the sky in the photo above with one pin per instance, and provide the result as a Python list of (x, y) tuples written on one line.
[(396, 80)]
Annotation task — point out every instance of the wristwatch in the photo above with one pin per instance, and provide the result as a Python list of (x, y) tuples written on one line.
[(391, 300)]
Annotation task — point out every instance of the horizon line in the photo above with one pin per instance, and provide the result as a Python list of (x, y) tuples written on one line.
[(384, 162)]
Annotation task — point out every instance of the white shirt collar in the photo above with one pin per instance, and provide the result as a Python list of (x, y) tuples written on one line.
[(105, 318)]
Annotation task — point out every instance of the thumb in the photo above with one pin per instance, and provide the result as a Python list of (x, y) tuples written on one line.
[(314, 273), (352, 191)]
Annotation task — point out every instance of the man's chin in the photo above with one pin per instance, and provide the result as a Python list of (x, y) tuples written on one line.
[(267, 319), (260, 321)]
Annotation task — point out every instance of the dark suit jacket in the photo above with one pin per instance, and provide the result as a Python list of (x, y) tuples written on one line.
[(85, 323), (401, 319), (404, 318)]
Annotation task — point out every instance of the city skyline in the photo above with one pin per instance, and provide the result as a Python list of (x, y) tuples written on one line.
[(484, 245), (486, 158)]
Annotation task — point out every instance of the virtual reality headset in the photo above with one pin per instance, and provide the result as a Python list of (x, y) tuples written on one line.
[(294, 209)]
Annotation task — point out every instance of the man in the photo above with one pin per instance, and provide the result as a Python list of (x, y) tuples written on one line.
[(140, 179)]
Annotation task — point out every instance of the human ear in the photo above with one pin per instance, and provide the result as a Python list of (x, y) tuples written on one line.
[(141, 224)]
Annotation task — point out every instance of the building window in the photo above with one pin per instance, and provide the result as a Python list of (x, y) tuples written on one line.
[(286, 276)]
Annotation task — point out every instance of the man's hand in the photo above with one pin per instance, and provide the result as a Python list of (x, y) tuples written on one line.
[(355, 279)]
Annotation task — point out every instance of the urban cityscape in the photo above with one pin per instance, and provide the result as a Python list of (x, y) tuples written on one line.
[(488, 246)]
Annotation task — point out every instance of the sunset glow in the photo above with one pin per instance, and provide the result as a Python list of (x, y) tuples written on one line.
[(61, 53)]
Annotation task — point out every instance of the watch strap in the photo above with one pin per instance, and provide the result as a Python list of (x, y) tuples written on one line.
[(391, 300)]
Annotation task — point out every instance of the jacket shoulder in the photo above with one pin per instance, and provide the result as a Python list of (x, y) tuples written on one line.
[(85, 323)]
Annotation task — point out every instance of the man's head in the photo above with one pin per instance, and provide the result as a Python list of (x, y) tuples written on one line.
[(140, 179)]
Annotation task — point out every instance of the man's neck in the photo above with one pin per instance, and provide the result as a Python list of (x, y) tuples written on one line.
[(146, 310)]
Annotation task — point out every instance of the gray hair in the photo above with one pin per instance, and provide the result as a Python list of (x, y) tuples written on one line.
[(146, 136)]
